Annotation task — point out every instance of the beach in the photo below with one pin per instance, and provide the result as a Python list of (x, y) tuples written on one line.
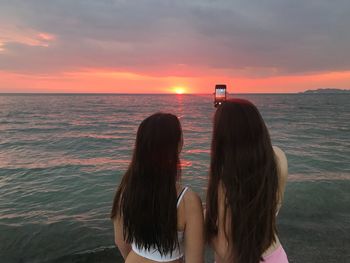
[(62, 157)]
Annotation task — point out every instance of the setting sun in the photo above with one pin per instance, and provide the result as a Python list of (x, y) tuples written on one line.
[(179, 90)]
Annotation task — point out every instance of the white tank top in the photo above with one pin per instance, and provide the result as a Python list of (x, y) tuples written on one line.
[(154, 254)]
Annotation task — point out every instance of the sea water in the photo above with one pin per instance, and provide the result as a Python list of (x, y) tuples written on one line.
[(62, 157)]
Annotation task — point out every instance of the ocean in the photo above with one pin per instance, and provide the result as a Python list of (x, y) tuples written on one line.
[(62, 157)]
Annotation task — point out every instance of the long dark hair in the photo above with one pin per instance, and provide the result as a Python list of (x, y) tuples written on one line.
[(243, 162), (146, 197)]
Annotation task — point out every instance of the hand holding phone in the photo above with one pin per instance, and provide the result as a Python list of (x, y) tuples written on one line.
[(220, 94)]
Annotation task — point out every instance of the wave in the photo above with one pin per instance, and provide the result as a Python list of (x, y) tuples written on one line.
[(100, 254), (307, 177)]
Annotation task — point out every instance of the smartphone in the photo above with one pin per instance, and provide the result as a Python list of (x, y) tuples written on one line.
[(220, 94)]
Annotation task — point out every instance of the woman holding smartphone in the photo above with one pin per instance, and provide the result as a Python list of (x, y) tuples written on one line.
[(155, 218), (246, 185)]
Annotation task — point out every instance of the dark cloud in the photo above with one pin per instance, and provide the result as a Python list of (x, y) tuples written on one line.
[(271, 36)]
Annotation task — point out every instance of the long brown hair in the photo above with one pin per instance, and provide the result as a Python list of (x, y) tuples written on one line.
[(243, 162), (146, 197)]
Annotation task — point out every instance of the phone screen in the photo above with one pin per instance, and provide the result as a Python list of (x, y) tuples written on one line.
[(220, 93)]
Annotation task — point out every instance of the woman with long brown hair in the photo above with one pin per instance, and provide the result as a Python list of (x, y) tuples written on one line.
[(155, 218), (246, 185)]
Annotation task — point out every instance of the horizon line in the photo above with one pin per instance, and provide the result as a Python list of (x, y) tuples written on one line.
[(123, 93)]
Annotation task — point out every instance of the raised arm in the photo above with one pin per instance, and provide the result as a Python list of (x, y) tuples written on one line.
[(194, 229), (123, 247), (282, 165)]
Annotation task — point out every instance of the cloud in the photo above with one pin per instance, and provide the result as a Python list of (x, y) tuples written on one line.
[(254, 38), (26, 36)]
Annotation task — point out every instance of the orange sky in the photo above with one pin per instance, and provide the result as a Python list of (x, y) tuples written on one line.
[(122, 47), (127, 82)]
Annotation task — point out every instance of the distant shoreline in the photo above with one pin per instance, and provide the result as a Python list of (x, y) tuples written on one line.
[(326, 91)]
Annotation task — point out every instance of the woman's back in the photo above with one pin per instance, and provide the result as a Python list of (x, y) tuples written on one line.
[(190, 231), (221, 244)]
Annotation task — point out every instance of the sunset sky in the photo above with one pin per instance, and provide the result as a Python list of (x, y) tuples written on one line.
[(161, 46)]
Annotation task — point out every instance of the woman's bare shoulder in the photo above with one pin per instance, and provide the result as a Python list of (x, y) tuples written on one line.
[(278, 151), (281, 161), (192, 198), (282, 165)]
